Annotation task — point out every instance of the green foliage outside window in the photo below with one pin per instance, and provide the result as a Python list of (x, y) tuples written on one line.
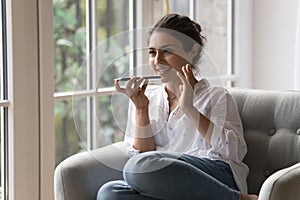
[(70, 52)]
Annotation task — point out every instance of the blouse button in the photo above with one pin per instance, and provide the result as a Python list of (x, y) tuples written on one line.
[(298, 131)]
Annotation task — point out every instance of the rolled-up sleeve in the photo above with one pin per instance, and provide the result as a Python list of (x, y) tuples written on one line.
[(229, 145), (226, 131)]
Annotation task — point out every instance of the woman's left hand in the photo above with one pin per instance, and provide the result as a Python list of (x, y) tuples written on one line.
[(188, 80)]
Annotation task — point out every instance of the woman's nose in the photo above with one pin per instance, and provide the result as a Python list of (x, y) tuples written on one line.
[(158, 57)]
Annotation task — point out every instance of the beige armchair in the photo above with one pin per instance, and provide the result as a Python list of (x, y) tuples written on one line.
[(271, 123)]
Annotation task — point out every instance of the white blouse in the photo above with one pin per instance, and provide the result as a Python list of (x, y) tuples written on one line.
[(175, 132)]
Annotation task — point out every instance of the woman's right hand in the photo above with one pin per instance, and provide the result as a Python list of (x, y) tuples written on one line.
[(135, 90)]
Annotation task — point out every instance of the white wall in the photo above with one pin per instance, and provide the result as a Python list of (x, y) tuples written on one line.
[(243, 43), (274, 36)]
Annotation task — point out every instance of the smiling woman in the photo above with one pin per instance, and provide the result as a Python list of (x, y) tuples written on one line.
[(185, 125), (107, 57)]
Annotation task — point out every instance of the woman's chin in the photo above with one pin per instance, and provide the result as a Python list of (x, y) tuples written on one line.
[(167, 80), (164, 79)]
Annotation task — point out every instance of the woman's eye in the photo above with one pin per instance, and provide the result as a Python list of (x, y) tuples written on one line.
[(167, 51), (152, 52)]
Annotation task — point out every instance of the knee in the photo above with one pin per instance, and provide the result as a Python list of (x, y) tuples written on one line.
[(109, 191), (147, 162), (148, 166)]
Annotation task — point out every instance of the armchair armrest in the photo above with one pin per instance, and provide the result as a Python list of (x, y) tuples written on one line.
[(80, 176), (283, 184)]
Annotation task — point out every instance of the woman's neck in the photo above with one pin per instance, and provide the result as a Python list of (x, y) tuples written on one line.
[(172, 88), (173, 92), (172, 98)]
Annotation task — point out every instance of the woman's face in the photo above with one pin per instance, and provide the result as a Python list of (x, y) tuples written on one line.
[(166, 56)]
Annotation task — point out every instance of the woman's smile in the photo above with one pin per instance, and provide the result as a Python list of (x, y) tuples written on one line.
[(162, 69)]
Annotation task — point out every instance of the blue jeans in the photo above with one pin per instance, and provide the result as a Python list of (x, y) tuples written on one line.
[(172, 176)]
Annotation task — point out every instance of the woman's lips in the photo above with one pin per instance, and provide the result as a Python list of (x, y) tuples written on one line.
[(163, 71)]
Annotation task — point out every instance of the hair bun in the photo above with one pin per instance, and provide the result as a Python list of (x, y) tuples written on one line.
[(197, 26)]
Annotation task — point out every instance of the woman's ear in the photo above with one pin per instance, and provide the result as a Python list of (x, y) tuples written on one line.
[(194, 51)]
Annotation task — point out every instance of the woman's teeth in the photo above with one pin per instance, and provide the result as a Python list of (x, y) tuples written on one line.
[(163, 71)]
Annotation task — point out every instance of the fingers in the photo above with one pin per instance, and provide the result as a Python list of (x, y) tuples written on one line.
[(144, 86), (140, 81), (133, 83), (181, 88), (130, 83), (189, 75), (188, 72), (182, 78), (133, 86), (118, 88)]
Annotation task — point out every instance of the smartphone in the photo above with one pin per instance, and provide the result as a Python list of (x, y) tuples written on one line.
[(138, 77)]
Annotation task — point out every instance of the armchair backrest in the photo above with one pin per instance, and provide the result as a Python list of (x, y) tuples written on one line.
[(271, 121)]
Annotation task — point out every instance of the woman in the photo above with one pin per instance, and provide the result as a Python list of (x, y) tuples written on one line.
[(186, 137)]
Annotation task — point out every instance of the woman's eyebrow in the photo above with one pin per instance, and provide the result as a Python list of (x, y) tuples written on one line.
[(163, 46), (167, 45)]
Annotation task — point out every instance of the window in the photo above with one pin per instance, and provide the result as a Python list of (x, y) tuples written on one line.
[(78, 27), (95, 42), (70, 51), (216, 20)]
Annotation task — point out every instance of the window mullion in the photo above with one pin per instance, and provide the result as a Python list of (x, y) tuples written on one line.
[(229, 40), (91, 72), (192, 9), (132, 36)]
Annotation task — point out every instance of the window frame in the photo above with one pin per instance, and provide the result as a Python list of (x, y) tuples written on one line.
[(136, 8), (30, 100), (4, 103), (22, 150)]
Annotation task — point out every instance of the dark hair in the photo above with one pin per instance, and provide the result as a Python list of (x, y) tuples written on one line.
[(185, 26)]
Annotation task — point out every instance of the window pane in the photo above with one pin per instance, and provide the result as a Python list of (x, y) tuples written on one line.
[(70, 129), (112, 119), (113, 40), (213, 19), (69, 40), (179, 6)]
